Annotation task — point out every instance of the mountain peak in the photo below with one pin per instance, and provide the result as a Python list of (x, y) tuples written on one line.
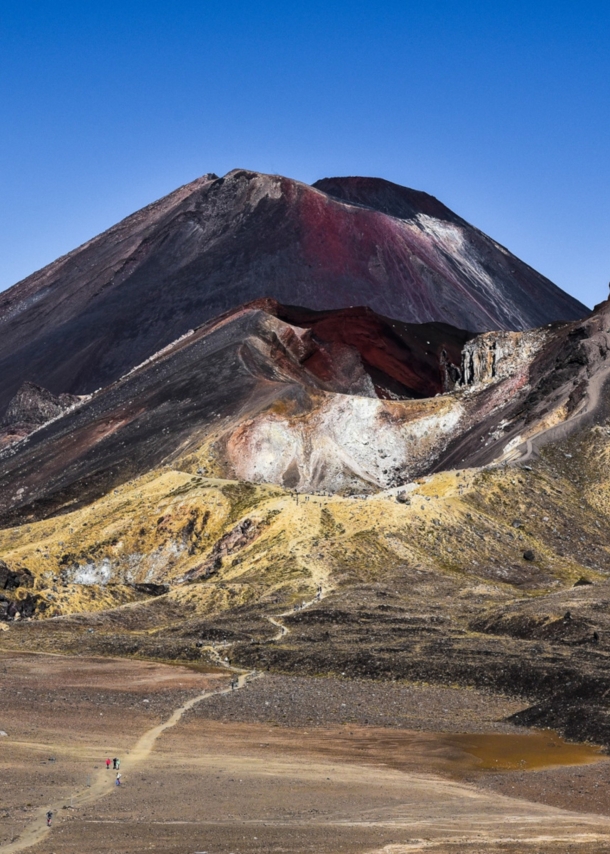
[(218, 243)]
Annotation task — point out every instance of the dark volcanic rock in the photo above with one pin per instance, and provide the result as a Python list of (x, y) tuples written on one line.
[(12, 609), (559, 664), (35, 406), (30, 408), (152, 589), (86, 319), (12, 579)]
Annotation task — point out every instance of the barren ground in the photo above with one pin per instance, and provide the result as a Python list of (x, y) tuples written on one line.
[(283, 764)]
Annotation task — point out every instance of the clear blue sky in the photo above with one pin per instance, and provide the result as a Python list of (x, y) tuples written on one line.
[(501, 109)]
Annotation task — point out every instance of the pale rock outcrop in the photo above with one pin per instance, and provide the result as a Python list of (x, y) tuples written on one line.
[(347, 443), (495, 356)]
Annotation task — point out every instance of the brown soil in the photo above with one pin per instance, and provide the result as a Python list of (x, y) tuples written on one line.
[(64, 716), (223, 779)]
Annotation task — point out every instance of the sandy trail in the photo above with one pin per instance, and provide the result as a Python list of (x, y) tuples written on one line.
[(574, 841), (283, 630), (102, 783)]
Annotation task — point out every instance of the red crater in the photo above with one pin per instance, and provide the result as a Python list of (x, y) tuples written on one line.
[(403, 360)]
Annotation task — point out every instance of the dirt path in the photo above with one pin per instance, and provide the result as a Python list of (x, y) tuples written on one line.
[(284, 630), (102, 783), (524, 452), (586, 842)]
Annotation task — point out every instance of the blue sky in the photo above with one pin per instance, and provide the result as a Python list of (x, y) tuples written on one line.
[(501, 109)]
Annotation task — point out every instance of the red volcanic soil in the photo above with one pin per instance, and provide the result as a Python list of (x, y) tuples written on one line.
[(402, 359), (85, 320)]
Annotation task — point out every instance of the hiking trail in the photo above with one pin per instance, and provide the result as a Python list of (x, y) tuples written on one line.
[(274, 619), (102, 784), (36, 831)]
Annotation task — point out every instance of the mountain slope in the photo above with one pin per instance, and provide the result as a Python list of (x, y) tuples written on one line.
[(197, 399), (436, 589), (217, 243), (312, 405)]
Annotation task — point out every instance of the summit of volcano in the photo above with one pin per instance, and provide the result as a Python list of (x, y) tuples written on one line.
[(217, 243)]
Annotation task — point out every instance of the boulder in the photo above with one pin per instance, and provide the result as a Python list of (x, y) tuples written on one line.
[(150, 589), (11, 579)]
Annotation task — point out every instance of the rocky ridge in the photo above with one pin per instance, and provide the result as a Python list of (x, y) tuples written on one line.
[(259, 398)]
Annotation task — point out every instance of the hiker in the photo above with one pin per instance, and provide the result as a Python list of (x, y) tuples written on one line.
[(49, 817), (114, 764), (108, 765), (118, 764), (118, 780)]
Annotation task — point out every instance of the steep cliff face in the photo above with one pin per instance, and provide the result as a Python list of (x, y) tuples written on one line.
[(403, 360), (217, 243)]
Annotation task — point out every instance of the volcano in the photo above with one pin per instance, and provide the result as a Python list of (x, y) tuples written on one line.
[(328, 429), (218, 243)]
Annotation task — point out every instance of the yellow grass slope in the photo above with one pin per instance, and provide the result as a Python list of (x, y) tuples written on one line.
[(237, 542)]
